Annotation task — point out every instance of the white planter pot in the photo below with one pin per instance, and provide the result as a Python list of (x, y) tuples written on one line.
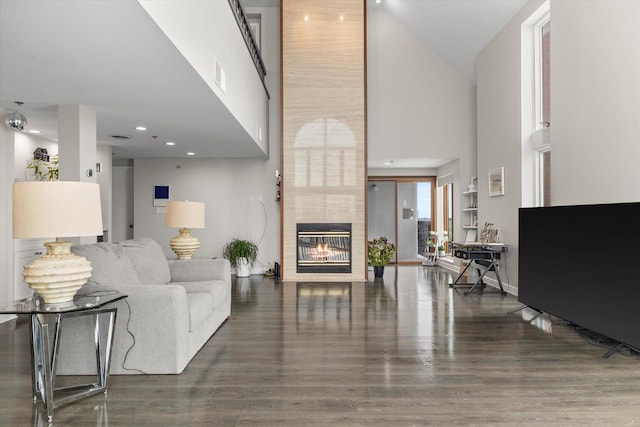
[(243, 269)]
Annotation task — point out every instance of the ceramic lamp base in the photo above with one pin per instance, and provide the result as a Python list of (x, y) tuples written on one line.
[(58, 275), (185, 245)]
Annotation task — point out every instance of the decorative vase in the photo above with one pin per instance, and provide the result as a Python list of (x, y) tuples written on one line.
[(243, 269), (378, 271)]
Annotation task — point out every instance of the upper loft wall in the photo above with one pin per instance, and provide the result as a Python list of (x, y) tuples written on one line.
[(417, 105), (206, 32)]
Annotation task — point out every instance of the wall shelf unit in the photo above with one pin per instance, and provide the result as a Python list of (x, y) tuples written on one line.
[(470, 221)]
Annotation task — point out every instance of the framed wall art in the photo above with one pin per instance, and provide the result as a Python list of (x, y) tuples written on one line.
[(496, 182)]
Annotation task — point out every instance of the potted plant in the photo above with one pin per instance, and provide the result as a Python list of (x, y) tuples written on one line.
[(241, 254), (380, 253), (441, 250)]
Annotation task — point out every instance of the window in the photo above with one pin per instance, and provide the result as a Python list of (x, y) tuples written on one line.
[(543, 112), (447, 213), (536, 108), (543, 196), (544, 71)]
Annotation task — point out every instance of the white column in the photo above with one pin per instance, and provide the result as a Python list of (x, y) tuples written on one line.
[(6, 240), (77, 143), (77, 146)]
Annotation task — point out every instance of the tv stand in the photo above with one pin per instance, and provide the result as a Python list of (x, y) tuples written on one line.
[(618, 347), (522, 307), (483, 256)]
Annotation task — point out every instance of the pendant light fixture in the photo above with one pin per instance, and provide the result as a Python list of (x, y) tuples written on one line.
[(16, 120)]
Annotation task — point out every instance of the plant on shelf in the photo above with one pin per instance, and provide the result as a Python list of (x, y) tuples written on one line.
[(440, 250), (43, 170), (241, 254), (380, 253)]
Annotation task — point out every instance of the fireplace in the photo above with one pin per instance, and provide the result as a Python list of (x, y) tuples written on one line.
[(323, 248)]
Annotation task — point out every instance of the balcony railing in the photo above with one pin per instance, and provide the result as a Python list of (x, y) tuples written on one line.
[(245, 30)]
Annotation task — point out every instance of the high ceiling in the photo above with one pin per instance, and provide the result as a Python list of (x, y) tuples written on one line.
[(111, 57), (455, 30)]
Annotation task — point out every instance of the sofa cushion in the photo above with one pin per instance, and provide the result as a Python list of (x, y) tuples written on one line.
[(200, 307), (148, 260), (110, 264)]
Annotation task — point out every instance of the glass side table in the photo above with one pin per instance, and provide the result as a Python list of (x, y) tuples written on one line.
[(44, 350)]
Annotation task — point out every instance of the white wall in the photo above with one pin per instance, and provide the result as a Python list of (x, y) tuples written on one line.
[(595, 101), (232, 189), (418, 106), (500, 134), (595, 105), (25, 145), (6, 239), (205, 32)]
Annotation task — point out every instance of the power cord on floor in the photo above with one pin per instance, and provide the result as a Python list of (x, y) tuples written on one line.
[(109, 292)]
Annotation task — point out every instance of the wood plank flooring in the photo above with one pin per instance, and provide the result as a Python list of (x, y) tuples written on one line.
[(404, 351)]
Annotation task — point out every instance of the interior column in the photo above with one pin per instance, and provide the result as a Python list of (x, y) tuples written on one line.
[(323, 126), (77, 140)]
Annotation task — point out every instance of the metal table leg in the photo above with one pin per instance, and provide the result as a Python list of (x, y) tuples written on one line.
[(44, 359)]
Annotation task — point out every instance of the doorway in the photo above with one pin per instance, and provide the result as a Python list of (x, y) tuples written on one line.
[(402, 209)]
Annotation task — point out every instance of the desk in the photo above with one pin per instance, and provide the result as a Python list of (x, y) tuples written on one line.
[(44, 351), (483, 256)]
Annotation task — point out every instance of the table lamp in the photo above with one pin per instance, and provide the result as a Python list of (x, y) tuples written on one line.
[(56, 209), (184, 215)]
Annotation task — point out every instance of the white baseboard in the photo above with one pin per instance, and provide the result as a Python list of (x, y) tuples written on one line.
[(7, 317), (511, 290)]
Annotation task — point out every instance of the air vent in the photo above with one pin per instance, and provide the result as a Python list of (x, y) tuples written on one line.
[(120, 137)]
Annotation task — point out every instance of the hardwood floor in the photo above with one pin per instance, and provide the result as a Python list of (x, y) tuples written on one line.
[(404, 351)]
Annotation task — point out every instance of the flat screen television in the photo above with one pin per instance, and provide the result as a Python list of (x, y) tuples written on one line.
[(582, 264)]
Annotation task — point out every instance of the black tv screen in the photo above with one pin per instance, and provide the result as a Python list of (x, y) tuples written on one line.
[(581, 263)]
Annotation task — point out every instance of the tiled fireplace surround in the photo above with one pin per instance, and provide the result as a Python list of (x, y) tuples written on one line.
[(323, 127)]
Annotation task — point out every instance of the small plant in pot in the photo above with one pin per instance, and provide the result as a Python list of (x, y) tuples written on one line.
[(241, 254), (380, 253)]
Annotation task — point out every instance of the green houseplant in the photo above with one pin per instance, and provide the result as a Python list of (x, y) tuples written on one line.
[(380, 253), (241, 254), (44, 170)]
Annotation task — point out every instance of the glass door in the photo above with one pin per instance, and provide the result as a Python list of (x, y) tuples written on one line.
[(402, 209), (381, 202)]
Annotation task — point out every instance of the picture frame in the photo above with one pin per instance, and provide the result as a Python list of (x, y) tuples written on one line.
[(496, 182)]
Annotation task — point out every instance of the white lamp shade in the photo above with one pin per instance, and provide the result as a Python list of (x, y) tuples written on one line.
[(184, 215), (44, 209)]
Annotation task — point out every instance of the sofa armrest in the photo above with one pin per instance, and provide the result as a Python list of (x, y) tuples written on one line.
[(151, 336), (192, 270)]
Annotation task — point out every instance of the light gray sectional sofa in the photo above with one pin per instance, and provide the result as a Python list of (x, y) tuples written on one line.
[(172, 310)]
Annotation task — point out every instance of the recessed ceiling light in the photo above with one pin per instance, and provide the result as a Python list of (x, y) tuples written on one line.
[(36, 131), (342, 17), (170, 143), (389, 163), (190, 153), (141, 128), (306, 17)]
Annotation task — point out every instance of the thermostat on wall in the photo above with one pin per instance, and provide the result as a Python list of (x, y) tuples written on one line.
[(160, 195)]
